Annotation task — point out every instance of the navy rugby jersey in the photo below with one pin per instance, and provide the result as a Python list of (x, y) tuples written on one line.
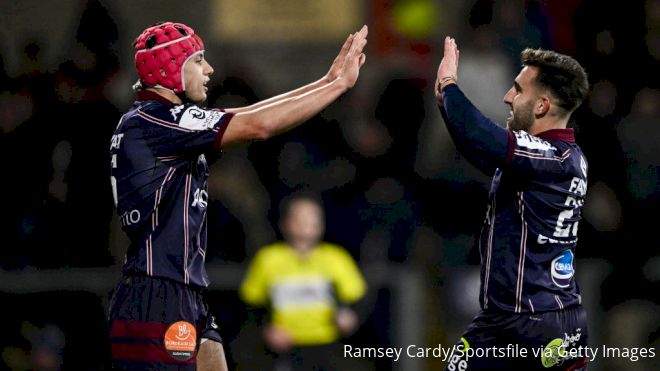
[(528, 239), (159, 181)]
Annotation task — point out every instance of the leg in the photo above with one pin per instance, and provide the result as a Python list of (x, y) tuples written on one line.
[(211, 357)]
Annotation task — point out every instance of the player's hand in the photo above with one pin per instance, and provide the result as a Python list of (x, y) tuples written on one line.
[(338, 64), (354, 59), (277, 339), (346, 320), (448, 66)]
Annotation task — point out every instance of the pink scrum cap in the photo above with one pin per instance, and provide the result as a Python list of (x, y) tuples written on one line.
[(162, 50)]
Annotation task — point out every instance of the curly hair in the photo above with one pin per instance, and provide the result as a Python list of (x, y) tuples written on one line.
[(562, 75)]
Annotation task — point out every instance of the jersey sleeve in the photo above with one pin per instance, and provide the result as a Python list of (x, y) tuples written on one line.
[(532, 155), (349, 283), (254, 288), (184, 129), (485, 144)]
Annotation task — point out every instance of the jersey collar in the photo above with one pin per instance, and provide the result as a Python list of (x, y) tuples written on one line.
[(145, 95), (564, 135)]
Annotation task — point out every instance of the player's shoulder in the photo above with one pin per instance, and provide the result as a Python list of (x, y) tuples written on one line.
[(333, 250), (532, 142), (185, 116), (148, 111), (273, 250), (167, 113)]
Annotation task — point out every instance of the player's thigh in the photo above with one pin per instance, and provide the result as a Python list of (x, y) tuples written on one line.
[(211, 357)]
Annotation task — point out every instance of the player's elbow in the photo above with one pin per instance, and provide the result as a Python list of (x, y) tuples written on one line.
[(262, 126), (262, 130)]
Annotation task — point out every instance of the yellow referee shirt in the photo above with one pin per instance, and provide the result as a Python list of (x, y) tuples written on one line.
[(303, 291)]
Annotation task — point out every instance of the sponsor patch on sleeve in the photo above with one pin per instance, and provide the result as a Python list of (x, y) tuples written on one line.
[(195, 118)]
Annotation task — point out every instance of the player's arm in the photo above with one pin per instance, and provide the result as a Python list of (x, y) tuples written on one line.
[(333, 73), (350, 288), (484, 143), (287, 113)]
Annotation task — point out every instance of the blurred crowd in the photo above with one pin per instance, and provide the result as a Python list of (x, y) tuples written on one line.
[(394, 189)]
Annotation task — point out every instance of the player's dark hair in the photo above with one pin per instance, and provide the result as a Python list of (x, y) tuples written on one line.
[(290, 200), (562, 75)]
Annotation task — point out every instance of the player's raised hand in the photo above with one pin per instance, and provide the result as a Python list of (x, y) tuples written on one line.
[(355, 58), (338, 64), (448, 69)]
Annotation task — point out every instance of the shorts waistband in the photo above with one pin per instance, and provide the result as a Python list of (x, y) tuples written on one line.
[(144, 278)]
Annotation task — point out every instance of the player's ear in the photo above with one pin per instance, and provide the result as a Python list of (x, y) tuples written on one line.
[(542, 105)]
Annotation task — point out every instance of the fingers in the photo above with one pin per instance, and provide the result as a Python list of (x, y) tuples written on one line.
[(365, 31), (451, 49), (359, 41), (355, 58), (448, 67), (346, 47), (347, 44)]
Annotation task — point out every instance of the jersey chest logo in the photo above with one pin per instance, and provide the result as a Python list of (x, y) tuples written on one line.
[(562, 270)]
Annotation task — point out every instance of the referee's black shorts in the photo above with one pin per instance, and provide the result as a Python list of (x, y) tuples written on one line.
[(158, 324), (551, 340)]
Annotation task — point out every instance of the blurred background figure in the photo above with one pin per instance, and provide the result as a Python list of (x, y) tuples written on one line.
[(305, 288)]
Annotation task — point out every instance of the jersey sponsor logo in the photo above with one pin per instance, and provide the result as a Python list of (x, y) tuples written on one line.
[(176, 110), (531, 142), (562, 270), (195, 118), (180, 340), (196, 113)]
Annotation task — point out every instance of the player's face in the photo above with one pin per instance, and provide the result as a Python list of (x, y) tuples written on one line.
[(304, 223), (521, 98), (196, 75)]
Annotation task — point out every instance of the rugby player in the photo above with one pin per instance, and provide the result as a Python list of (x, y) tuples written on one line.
[(528, 294), (159, 319)]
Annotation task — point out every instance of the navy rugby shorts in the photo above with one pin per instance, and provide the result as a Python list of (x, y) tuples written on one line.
[(158, 324), (496, 340)]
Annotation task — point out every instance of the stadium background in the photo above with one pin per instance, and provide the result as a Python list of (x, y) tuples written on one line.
[(398, 196)]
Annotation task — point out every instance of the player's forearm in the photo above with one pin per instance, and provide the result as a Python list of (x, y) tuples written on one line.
[(290, 94), (290, 112), (485, 165), (475, 135)]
